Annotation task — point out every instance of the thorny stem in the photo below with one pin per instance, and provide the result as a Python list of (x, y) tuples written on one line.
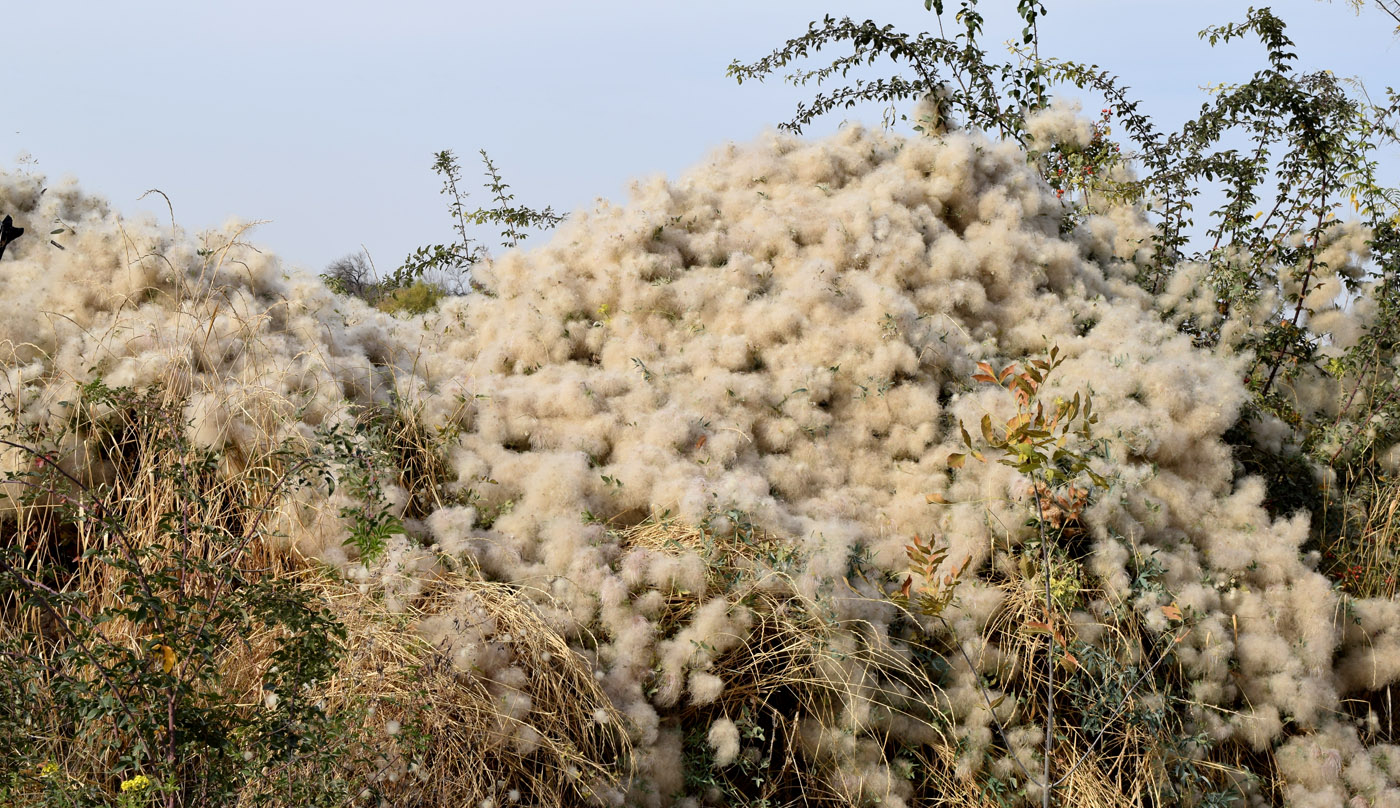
[(1046, 783), (1346, 408), (461, 225), (1364, 424)]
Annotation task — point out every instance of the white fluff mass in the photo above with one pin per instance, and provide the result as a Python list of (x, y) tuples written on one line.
[(786, 332)]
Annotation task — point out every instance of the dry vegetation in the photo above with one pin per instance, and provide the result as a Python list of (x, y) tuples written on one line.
[(628, 527)]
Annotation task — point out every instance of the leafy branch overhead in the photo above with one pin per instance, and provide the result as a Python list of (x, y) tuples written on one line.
[(1271, 251), (951, 71)]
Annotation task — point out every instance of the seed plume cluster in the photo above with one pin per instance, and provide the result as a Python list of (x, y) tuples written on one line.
[(772, 353)]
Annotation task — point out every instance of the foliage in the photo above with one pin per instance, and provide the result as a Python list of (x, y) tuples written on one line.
[(419, 298), (936, 592), (1036, 442), (1314, 143), (120, 668), (951, 72), (1032, 442), (453, 261)]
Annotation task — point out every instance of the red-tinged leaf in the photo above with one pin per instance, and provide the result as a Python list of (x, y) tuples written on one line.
[(1069, 661), (904, 589), (1036, 627), (982, 377), (1006, 371), (987, 429), (956, 460), (1172, 611), (986, 369), (935, 499), (700, 444)]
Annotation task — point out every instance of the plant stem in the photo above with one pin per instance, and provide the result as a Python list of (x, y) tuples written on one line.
[(1048, 785)]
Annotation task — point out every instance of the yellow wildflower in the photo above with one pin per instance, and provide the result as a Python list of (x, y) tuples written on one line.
[(138, 783), (48, 769)]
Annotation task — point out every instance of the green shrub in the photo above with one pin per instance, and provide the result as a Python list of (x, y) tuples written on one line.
[(419, 298), (167, 663)]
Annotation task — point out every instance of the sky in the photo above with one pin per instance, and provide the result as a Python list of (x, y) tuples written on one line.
[(321, 119)]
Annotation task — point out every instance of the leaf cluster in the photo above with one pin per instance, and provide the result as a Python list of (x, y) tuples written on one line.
[(1034, 441), (953, 71), (126, 678)]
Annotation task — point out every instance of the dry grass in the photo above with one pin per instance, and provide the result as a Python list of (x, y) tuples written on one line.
[(795, 673), (468, 746), (813, 695), (456, 744), (790, 671), (1363, 549), (809, 697)]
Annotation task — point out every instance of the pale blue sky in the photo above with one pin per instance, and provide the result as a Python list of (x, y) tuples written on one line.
[(322, 117)]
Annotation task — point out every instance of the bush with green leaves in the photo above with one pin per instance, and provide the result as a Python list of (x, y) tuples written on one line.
[(151, 651)]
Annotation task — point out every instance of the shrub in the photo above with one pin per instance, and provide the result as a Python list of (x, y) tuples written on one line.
[(419, 298), (148, 654)]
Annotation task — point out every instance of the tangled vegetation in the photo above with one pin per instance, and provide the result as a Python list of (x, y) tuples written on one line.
[(927, 469)]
